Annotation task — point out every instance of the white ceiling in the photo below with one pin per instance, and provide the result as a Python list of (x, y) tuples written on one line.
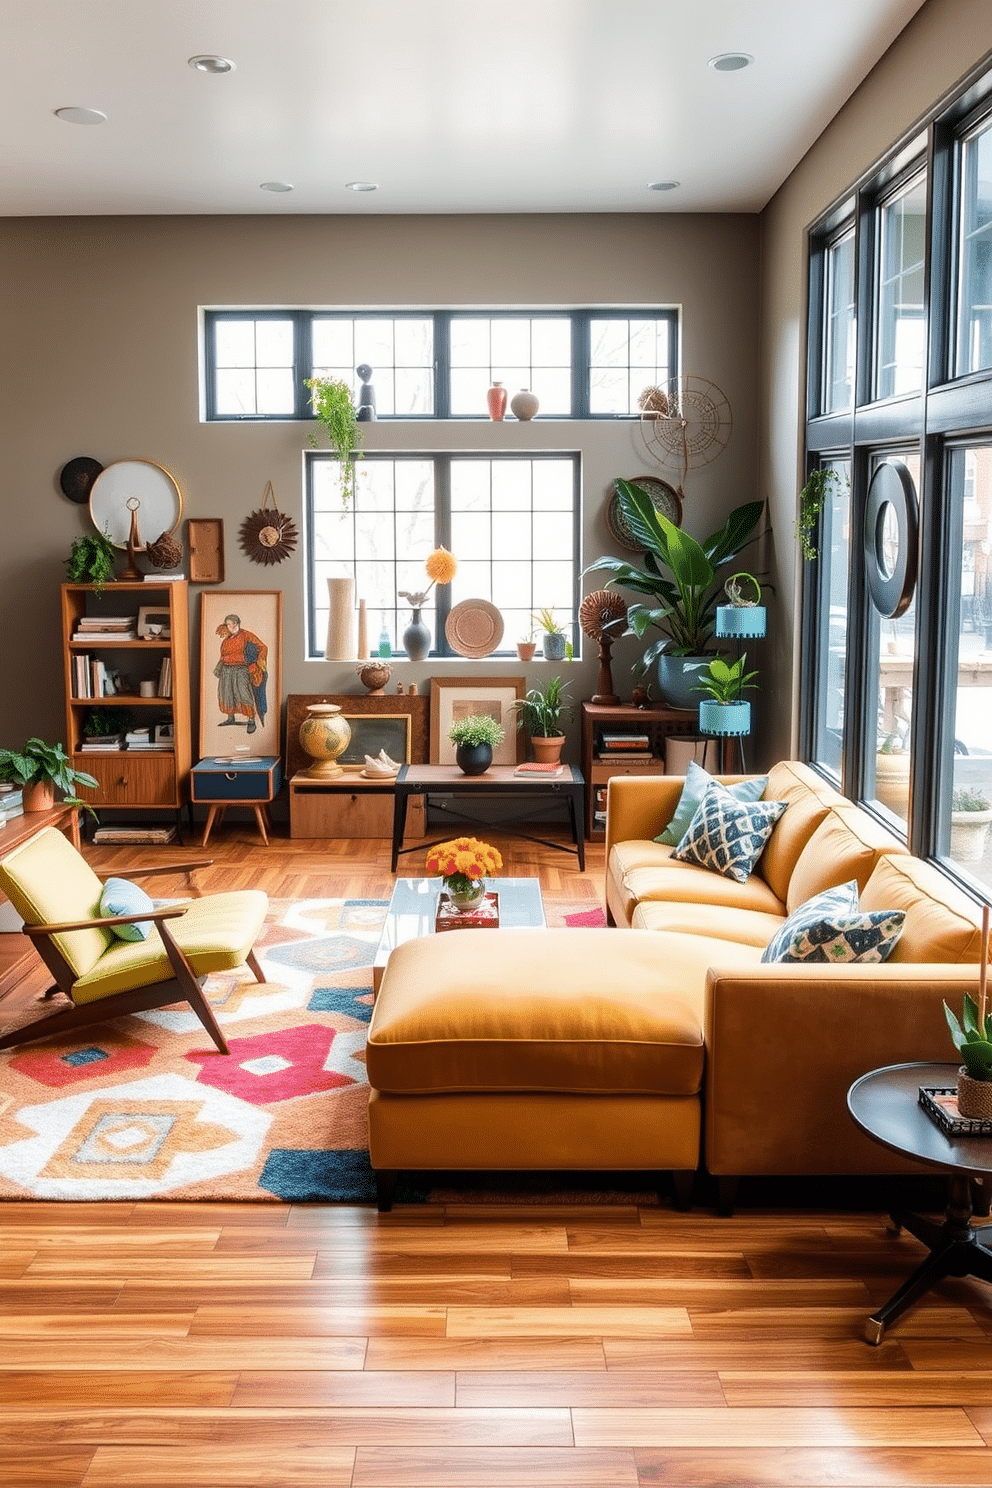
[(449, 105)]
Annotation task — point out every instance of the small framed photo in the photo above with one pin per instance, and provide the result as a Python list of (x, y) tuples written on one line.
[(164, 733), (153, 625), (372, 732), (461, 697)]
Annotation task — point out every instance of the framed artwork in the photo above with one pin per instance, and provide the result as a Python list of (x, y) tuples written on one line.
[(240, 671), (205, 539), (461, 697), (153, 624), (371, 732)]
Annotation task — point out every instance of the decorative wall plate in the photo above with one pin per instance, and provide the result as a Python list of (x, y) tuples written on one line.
[(474, 628), (77, 476), (664, 498), (160, 503)]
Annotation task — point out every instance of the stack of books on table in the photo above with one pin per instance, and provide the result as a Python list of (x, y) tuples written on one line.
[(635, 748), (539, 771), (142, 739), (107, 627), (482, 916), (101, 743), (11, 802)]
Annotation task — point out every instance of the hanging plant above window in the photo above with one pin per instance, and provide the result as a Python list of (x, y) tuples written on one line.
[(266, 535)]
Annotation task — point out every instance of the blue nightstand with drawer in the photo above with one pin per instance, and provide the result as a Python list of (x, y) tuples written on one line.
[(229, 781)]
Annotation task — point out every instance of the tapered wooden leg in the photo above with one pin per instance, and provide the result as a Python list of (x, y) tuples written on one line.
[(727, 1187), (682, 1179), (260, 819), (386, 1180), (215, 813), (252, 961)]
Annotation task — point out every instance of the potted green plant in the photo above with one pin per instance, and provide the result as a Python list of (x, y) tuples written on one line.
[(541, 712), (681, 577), (812, 499), (41, 769), (971, 814), (971, 1038), (725, 712), (334, 406), (553, 643), (474, 739), (91, 561)]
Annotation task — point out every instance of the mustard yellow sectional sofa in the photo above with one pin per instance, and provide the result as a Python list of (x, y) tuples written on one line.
[(664, 1040)]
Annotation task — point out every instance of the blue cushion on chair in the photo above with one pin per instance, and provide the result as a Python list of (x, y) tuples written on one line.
[(121, 897)]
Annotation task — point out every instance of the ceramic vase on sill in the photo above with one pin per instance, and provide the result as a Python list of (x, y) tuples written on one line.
[(524, 405), (417, 638), (496, 401)]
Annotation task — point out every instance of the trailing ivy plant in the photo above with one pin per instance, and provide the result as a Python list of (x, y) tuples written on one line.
[(812, 499), (91, 561), (334, 407)]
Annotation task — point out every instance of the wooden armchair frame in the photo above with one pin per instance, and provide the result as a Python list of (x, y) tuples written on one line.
[(183, 986)]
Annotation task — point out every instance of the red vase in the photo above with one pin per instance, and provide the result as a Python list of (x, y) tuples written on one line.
[(496, 401)]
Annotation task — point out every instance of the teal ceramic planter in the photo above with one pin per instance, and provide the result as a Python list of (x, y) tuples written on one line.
[(725, 720)]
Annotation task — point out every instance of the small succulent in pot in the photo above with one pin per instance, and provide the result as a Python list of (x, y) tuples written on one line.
[(971, 1039)]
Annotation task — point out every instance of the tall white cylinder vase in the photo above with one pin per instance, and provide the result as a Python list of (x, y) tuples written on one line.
[(340, 620)]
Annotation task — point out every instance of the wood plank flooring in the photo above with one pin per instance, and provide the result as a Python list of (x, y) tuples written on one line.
[(474, 1346)]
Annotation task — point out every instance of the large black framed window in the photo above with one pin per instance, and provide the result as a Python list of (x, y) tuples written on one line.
[(511, 520), (590, 363), (897, 605)]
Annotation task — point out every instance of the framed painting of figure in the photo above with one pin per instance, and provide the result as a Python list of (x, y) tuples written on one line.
[(240, 672)]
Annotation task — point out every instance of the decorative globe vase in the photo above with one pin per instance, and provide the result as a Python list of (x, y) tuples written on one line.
[(374, 675), (524, 405), (473, 759), (726, 720), (463, 898), (325, 734), (553, 645), (417, 638), (974, 1096), (496, 401)]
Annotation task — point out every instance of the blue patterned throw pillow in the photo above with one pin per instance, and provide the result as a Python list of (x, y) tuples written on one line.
[(830, 927), (119, 897), (728, 836), (697, 781)]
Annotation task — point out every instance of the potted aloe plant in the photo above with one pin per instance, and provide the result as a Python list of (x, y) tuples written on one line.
[(681, 578), (553, 642)]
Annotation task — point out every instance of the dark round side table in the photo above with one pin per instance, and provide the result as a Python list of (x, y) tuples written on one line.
[(885, 1105)]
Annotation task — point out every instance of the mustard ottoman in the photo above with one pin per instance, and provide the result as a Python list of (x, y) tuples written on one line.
[(536, 1049)]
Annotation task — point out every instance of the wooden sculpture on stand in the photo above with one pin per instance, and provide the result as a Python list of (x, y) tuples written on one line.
[(603, 617)]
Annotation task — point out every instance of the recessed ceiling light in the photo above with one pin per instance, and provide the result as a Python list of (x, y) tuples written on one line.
[(361, 186), (731, 61), (81, 116), (208, 63), (275, 186), (663, 185)]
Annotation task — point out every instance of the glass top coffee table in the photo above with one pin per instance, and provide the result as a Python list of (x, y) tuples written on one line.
[(414, 904)]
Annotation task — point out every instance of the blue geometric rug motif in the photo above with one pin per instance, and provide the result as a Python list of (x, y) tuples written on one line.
[(342, 1000), (330, 953)]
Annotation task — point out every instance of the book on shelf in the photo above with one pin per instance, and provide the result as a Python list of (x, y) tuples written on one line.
[(104, 744), (163, 578), (624, 742), (629, 756), (10, 812), (533, 767), (165, 677)]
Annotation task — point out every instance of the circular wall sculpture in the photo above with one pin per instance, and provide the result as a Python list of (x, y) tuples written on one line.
[(890, 543)]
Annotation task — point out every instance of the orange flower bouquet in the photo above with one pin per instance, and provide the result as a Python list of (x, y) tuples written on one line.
[(463, 865)]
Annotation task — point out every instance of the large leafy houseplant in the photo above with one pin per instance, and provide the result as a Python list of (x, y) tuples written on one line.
[(91, 561), (39, 763), (334, 407), (679, 574)]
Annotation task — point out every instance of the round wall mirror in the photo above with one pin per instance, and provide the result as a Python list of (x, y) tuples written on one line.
[(113, 494), (890, 542)]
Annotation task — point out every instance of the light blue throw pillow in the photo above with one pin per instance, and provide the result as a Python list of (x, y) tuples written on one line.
[(728, 836), (830, 927), (121, 897), (697, 781)]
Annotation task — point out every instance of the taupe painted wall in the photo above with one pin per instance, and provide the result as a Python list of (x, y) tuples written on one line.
[(100, 357), (941, 45)]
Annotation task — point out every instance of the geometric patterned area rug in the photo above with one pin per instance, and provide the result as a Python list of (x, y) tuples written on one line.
[(146, 1108)]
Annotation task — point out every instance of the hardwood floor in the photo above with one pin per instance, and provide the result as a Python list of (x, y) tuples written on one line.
[(469, 1346)]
